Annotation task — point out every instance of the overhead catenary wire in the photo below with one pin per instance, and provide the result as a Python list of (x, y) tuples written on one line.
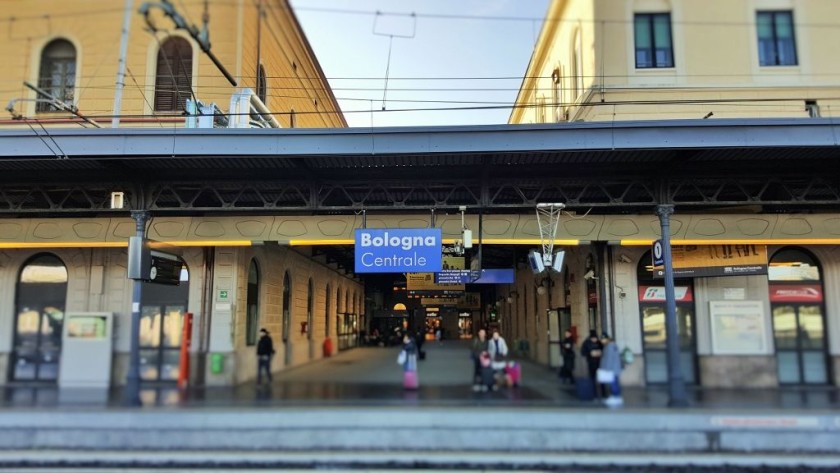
[(430, 15), (738, 102)]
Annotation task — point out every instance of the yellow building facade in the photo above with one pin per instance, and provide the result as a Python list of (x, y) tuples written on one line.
[(603, 60), (72, 50), (608, 60)]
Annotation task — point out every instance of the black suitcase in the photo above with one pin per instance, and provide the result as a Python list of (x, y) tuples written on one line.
[(585, 389), (488, 376)]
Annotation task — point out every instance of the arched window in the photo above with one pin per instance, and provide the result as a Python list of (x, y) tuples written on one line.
[(40, 301), (327, 311), (173, 77), (798, 307), (652, 314), (310, 295), (161, 325), (577, 67), (262, 85), (252, 304), (57, 74), (287, 306)]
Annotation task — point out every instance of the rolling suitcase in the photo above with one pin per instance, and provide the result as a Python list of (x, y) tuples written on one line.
[(410, 380), (514, 372), (488, 377), (585, 389)]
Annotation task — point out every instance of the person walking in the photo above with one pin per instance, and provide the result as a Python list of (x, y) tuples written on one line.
[(611, 363), (408, 359), (567, 349), (479, 346), (592, 351), (265, 350)]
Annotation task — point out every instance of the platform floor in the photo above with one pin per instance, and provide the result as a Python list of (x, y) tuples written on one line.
[(370, 376)]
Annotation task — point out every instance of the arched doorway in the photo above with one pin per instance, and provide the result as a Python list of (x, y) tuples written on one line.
[(40, 300), (327, 312), (287, 317), (652, 316), (798, 308), (161, 323)]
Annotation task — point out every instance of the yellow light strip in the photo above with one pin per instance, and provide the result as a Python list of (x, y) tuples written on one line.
[(526, 241), (791, 241), (321, 242), (64, 244), (119, 244), (205, 243), (447, 241)]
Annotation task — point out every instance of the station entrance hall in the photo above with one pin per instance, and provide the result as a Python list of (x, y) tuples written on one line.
[(339, 240)]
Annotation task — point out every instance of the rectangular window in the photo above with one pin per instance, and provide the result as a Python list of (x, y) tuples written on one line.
[(652, 33), (776, 42)]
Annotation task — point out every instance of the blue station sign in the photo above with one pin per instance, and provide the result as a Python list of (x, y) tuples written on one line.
[(400, 250)]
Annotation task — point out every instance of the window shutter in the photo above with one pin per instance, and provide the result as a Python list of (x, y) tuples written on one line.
[(173, 81)]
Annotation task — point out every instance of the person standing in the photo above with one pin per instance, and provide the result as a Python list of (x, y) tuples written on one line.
[(265, 350), (592, 350), (498, 347), (479, 345), (567, 349), (611, 362)]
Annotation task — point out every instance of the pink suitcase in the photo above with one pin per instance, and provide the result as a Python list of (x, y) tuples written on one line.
[(514, 371), (410, 380)]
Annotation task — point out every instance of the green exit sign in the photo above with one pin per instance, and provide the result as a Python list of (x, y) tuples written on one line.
[(223, 295)]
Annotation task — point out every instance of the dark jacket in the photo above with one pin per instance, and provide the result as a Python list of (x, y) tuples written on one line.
[(478, 346), (567, 347), (265, 346), (592, 350)]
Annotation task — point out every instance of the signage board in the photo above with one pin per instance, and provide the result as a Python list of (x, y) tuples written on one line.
[(796, 293), (466, 276), (716, 260), (165, 268), (398, 250), (658, 253), (657, 294), (428, 281), (738, 327), (146, 264), (468, 300)]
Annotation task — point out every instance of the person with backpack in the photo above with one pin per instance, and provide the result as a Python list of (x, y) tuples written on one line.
[(611, 363)]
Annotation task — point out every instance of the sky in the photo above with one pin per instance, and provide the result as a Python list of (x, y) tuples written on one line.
[(442, 57)]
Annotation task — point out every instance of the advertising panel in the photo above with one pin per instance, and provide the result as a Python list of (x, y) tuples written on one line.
[(738, 327), (398, 250)]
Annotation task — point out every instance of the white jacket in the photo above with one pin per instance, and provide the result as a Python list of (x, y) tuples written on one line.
[(502, 351)]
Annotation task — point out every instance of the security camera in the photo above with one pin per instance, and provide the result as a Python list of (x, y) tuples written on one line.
[(624, 258), (589, 275)]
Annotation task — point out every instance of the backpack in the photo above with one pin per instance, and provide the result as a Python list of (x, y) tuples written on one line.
[(627, 356)]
